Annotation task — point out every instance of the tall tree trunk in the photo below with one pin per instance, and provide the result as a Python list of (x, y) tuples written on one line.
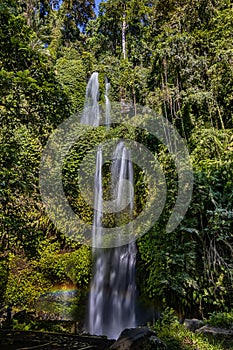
[(134, 102), (122, 89), (124, 35)]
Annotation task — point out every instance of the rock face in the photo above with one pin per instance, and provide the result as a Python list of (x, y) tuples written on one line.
[(51, 341), (193, 324), (216, 332), (138, 339)]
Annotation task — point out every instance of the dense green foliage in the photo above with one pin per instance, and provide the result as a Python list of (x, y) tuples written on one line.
[(178, 60), (177, 336)]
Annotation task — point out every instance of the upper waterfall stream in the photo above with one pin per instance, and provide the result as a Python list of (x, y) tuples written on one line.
[(111, 306)]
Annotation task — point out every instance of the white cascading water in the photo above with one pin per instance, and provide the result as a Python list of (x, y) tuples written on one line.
[(113, 287), (107, 104), (91, 111)]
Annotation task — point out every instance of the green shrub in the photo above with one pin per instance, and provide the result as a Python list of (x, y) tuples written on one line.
[(221, 319), (176, 336)]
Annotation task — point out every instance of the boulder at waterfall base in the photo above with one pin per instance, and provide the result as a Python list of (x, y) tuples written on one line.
[(138, 339)]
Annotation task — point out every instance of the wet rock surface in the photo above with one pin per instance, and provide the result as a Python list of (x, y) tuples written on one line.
[(25, 340), (193, 324), (198, 326), (138, 339), (135, 338), (216, 332)]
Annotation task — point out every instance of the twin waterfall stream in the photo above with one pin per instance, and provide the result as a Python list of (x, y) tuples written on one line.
[(111, 306)]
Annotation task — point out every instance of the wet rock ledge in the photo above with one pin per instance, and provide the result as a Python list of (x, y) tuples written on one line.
[(30, 340), (130, 339)]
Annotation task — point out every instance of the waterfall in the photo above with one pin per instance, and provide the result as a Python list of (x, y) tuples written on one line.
[(113, 291), (107, 104), (121, 170), (112, 295), (91, 111)]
